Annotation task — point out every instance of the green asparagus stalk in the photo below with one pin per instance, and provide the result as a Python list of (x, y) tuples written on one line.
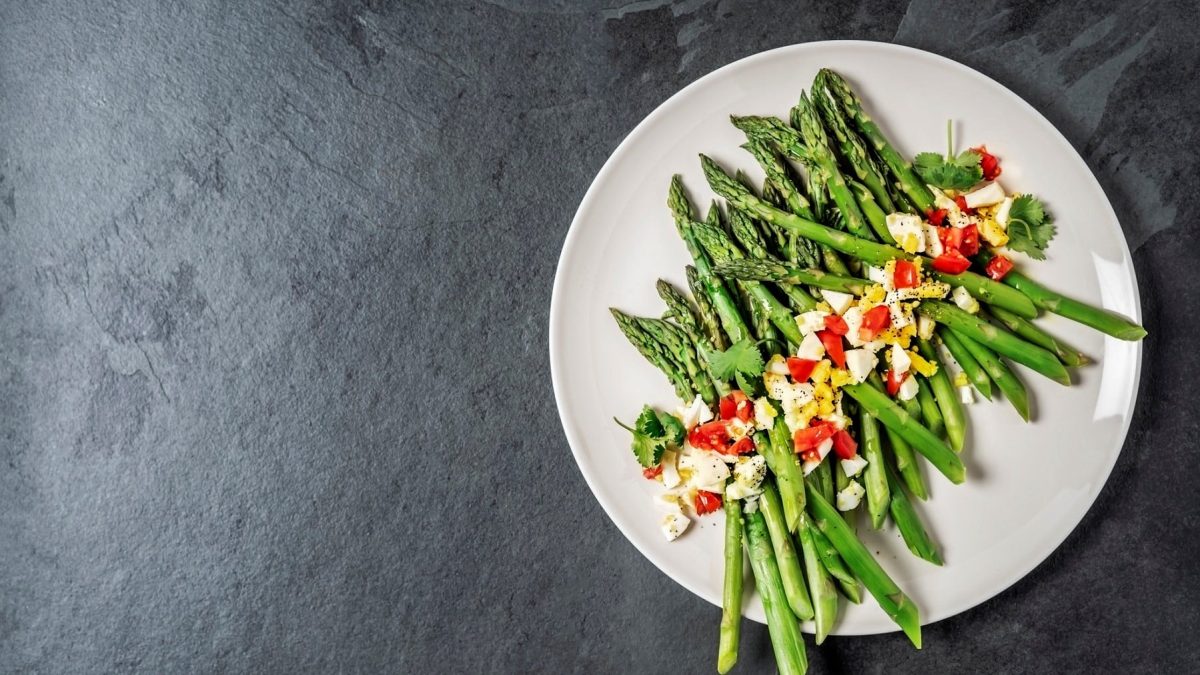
[(921, 439), (891, 599), (930, 412), (871, 252), (683, 351), (846, 582), (909, 523), (751, 241), (820, 583), (876, 217), (849, 104), (785, 553), (708, 313), (781, 622), (853, 151), (967, 362), (1103, 320), (773, 165), (1004, 378), (944, 393), (1071, 358), (767, 270), (655, 353), (998, 340), (874, 478), (789, 477), (731, 598)]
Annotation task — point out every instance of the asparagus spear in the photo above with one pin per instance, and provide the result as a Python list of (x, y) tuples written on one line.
[(781, 623), (708, 313), (1000, 341), (777, 176), (683, 351), (850, 106), (820, 584), (786, 468), (967, 362), (876, 217), (896, 418), (891, 599), (930, 411), (655, 353), (785, 553), (1103, 320), (767, 270), (731, 598), (853, 151), (874, 479), (1004, 378), (871, 252), (947, 399), (679, 307), (906, 461), (847, 583), (909, 523), (1071, 358), (746, 235)]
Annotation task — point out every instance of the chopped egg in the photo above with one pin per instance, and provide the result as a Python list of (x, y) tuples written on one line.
[(739, 491), (850, 497), (738, 429), (764, 413), (901, 314), (993, 233), (708, 471), (853, 318), (838, 301), (960, 379), (908, 389), (919, 364), (777, 364), (989, 194), (941, 201), (853, 466), (925, 327), (964, 300), (933, 243), (901, 362), (811, 348), (1002, 211), (877, 274), (824, 448), (668, 503), (750, 472), (670, 473), (860, 363), (802, 393), (696, 412), (673, 525), (809, 466), (750, 504), (811, 322), (965, 395), (777, 385), (821, 371), (907, 230)]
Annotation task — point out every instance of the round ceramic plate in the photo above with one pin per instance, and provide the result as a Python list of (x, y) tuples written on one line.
[(1028, 485)]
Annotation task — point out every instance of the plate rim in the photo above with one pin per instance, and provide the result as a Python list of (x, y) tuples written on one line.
[(557, 357)]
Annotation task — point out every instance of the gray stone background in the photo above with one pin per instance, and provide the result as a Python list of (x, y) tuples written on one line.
[(274, 283)]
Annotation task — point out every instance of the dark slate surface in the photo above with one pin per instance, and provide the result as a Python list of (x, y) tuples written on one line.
[(273, 323)]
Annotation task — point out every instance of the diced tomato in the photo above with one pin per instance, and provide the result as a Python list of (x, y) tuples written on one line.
[(836, 325), (874, 321), (713, 435), (970, 241), (800, 368), (652, 472), (706, 502), (998, 267), (951, 237), (816, 434), (728, 408), (935, 216), (745, 407), (894, 382), (961, 201), (951, 262), (905, 276), (833, 347), (988, 162), (844, 445), (744, 445)]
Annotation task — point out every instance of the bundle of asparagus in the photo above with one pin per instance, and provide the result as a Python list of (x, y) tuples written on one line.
[(781, 279)]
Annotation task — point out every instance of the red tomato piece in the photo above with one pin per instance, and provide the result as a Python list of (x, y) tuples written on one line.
[(706, 502), (810, 438), (905, 276), (894, 382), (744, 445), (833, 347), (874, 321), (988, 162), (961, 201), (970, 241), (652, 472), (998, 267), (844, 445), (800, 368), (951, 262), (951, 237), (836, 325), (710, 436), (728, 408), (935, 216)]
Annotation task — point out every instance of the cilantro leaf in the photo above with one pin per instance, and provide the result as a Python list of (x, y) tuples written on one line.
[(673, 431), (1029, 227), (750, 387), (742, 357), (646, 449), (647, 423), (951, 172)]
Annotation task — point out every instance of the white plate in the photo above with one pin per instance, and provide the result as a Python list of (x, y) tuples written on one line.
[(1027, 487)]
